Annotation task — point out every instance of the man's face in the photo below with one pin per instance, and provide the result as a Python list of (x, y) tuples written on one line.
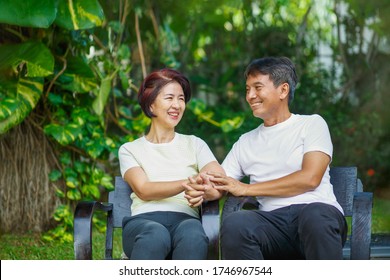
[(262, 96)]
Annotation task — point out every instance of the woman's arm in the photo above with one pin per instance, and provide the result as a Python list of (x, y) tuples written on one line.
[(147, 190)]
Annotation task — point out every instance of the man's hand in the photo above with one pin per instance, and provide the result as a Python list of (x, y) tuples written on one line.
[(228, 184), (200, 189)]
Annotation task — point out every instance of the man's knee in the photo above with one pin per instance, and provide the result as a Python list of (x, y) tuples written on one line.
[(236, 229), (234, 221), (319, 219)]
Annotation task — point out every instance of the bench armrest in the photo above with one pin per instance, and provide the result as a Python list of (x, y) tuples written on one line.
[(361, 226), (83, 227), (234, 203), (211, 225)]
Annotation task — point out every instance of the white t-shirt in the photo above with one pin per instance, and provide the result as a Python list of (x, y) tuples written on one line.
[(184, 156), (268, 153)]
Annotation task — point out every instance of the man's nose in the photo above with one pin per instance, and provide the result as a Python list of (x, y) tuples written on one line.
[(251, 93)]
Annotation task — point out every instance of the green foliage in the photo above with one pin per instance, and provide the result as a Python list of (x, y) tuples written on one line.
[(79, 14), (73, 93), (20, 12), (18, 100), (34, 56), (22, 69)]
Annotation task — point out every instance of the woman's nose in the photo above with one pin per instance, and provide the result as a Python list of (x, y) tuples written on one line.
[(175, 103)]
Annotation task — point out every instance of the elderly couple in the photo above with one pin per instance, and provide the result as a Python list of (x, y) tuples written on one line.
[(286, 157)]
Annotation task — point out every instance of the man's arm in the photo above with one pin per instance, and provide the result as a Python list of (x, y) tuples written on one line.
[(307, 179)]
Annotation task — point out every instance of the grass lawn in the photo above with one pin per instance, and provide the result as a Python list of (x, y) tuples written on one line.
[(381, 215), (29, 246)]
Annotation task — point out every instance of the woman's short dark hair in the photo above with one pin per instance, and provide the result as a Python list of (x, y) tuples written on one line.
[(155, 81), (280, 70)]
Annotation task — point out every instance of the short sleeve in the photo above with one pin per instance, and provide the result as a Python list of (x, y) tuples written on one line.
[(317, 137), (126, 159), (203, 153), (231, 163)]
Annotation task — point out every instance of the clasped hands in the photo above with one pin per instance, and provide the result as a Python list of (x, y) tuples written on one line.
[(211, 186)]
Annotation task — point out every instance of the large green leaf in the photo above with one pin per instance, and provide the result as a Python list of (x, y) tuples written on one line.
[(100, 102), (63, 134), (30, 13), (79, 14), (22, 98), (37, 57)]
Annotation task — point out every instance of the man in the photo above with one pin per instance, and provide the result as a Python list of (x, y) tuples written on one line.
[(287, 160)]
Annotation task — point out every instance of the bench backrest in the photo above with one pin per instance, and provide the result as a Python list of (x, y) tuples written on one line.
[(345, 185), (344, 180), (120, 198)]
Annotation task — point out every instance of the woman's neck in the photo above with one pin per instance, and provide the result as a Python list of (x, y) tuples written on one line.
[(158, 136)]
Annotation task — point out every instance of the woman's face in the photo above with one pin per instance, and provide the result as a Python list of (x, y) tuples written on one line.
[(169, 105)]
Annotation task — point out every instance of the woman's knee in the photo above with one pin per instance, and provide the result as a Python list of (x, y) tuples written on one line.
[(191, 229), (189, 241), (155, 234), (147, 236)]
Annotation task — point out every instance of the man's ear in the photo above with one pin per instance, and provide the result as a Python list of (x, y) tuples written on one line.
[(284, 90)]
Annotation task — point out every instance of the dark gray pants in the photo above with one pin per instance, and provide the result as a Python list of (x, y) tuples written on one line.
[(164, 235), (304, 231)]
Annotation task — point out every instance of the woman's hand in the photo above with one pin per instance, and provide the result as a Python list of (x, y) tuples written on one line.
[(200, 189)]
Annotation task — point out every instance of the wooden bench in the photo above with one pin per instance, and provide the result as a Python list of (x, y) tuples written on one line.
[(355, 203), (117, 207), (347, 187)]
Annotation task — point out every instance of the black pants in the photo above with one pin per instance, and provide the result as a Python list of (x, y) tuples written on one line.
[(164, 235), (303, 231)]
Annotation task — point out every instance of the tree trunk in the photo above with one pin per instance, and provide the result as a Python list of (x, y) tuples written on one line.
[(27, 196)]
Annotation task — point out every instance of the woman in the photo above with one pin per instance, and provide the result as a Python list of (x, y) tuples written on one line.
[(158, 166)]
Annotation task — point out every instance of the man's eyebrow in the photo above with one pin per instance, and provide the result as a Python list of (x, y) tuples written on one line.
[(256, 84)]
